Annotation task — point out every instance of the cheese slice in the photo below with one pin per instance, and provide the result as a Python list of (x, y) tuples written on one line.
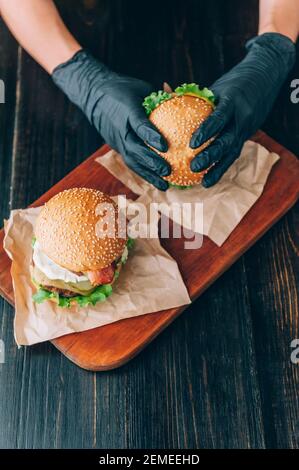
[(53, 270), (40, 279)]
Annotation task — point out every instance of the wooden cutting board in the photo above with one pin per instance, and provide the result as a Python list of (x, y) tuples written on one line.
[(113, 345)]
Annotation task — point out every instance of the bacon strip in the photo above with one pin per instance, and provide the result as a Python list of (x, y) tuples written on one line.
[(101, 276)]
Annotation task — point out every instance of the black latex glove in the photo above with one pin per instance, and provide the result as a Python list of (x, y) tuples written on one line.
[(244, 97), (113, 104)]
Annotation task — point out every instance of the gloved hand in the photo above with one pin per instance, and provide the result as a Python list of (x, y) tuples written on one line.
[(244, 97), (113, 104)]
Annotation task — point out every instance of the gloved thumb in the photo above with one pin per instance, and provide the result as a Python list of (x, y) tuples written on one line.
[(146, 131)]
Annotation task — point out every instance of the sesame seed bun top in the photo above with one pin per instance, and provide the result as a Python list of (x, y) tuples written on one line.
[(177, 119), (71, 230)]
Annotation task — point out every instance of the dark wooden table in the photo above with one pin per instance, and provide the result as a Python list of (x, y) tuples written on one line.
[(221, 375)]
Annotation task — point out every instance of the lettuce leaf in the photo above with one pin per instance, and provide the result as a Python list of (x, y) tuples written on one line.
[(33, 241), (178, 186), (42, 294), (193, 89), (64, 302), (99, 294), (154, 99), (130, 243)]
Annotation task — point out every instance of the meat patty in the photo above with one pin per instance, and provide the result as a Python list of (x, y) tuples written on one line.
[(63, 292)]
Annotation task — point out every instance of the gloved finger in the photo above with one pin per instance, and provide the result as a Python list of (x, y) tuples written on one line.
[(214, 152), (145, 156), (214, 124), (145, 173), (146, 131), (215, 173)]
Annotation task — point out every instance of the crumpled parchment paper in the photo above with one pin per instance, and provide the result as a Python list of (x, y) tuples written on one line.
[(224, 205)]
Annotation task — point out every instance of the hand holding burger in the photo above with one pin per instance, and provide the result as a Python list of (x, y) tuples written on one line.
[(177, 115), (244, 98), (112, 103)]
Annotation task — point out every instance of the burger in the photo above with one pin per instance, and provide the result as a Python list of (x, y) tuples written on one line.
[(177, 115), (76, 256)]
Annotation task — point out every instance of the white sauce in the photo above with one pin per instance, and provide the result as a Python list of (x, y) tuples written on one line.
[(53, 270)]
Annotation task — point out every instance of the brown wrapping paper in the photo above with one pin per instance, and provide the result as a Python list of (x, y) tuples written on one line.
[(150, 281), (224, 205)]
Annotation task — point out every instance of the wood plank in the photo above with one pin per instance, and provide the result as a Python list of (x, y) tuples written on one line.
[(272, 272), (8, 72)]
